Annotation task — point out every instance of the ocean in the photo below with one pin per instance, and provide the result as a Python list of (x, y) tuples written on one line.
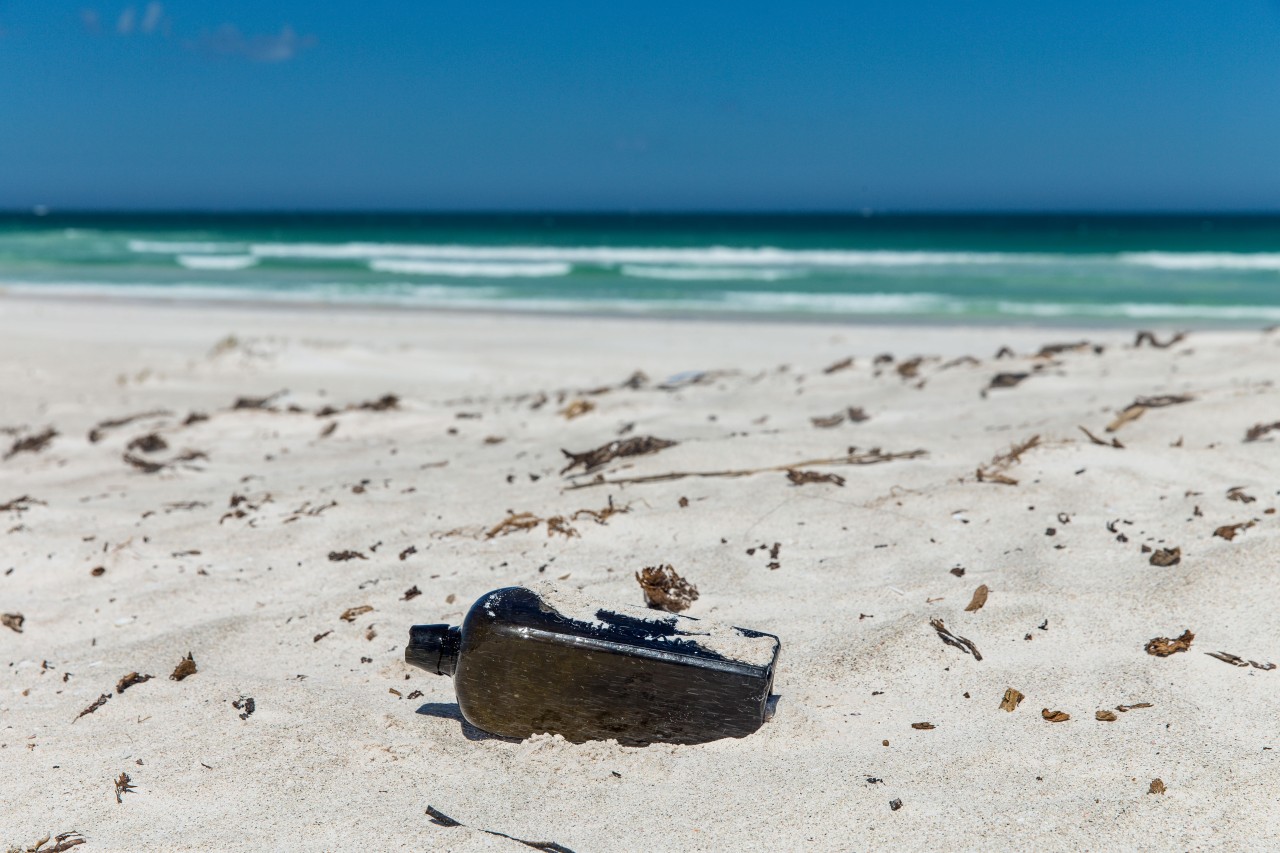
[(1098, 269)]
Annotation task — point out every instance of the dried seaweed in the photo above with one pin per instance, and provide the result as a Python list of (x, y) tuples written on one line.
[(871, 457), (411, 593), (513, 522), (1150, 339), (1105, 716), (994, 471), (842, 364), (664, 589), (185, 668), (894, 804), (1165, 557), (852, 414), (152, 442), (1007, 380), (802, 478), (1125, 708), (439, 818), (1238, 494), (32, 443), (97, 703), (1114, 442), (129, 680), (1236, 660), (100, 429), (148, 466), (1156, 787), (1055, 716), (1139, 406), (1050, 350), (123, 786), (961, 643), (408, 552), (910, 368), (245, 705), (924, 727), (601, 516), (979, 599), (1257, 431), (263, 403), (61, 843), (577, 409), (353, 613), (21, 505), (1229, 531), (590, 460), (1162, 647), (343, 556), (1011, 699), (12, 621), (559, 524)]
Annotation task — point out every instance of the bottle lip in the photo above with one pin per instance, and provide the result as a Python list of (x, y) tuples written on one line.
[(434, 648)]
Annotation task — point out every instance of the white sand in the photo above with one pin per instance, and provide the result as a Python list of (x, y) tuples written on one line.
[(331, 759)]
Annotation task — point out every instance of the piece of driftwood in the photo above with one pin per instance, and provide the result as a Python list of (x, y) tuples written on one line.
[(871, 457)]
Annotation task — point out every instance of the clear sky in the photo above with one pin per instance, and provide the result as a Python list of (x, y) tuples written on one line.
[(893, 104)]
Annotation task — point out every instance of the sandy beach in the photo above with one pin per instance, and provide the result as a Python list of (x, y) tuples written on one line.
[(1057, 507)]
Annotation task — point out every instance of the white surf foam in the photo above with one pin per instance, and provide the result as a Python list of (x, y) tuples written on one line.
[(466, 269), (615, 255), (170, 247), (217, 262), (1204, 260), (693, 273)]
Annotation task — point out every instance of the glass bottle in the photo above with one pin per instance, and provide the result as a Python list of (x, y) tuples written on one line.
[(528, 661)]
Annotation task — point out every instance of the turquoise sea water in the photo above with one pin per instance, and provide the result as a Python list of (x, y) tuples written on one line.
[(1172, 270)]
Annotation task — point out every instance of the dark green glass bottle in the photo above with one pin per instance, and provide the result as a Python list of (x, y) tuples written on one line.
[(529, 661)]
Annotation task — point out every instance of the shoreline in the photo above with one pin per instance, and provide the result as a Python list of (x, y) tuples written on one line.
[(322, 307)]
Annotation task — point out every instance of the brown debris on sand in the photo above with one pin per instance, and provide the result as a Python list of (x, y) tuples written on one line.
[(1165, 557), (185, 668), (1150, 339), (123, 786), (1011, 699), (1007, 380), (32, 443), (924, 727), (842, 364), (1236, 660), (994, 471), (1114, 442), (1162, 647), (1055, 716), (1156, 787), (152, 442), (129, 680), (802, 478), (61, 843), (1139, 406), (853, 414), (12, 621), (1230, 531), (353, 613), (576, 409), (513, 522), (102, 427), (343, 556), (978, 600), (590, 460), (664, 589), (1257, 431), (873, 456), (965, 645), (98, 703), (21, 504)]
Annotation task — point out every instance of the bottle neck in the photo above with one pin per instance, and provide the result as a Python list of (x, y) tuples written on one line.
[(434, 648)]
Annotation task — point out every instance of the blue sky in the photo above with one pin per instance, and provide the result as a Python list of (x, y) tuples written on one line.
[(904, 105)]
